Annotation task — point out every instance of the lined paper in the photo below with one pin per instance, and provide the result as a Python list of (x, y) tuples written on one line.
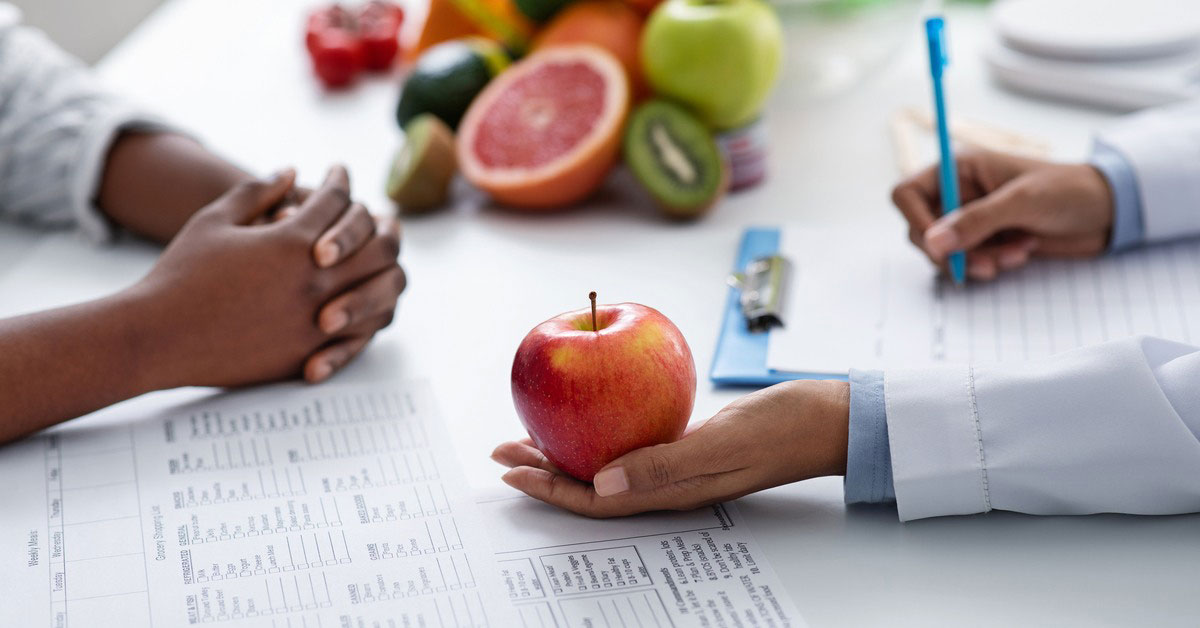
[(871, 300)]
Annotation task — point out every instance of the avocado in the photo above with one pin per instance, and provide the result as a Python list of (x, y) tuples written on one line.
[(447, 77)]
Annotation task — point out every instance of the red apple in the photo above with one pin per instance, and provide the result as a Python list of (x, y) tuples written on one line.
[(589, 395)]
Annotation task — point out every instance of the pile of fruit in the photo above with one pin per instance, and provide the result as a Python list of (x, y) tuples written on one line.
[(536, 101)]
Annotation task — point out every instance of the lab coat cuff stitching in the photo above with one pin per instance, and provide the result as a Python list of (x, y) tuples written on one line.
[(887, 412), (876, 492), (983, 478)]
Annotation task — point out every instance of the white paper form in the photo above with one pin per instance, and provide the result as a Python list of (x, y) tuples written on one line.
[(285, 507), (658, 570), (871, 300)]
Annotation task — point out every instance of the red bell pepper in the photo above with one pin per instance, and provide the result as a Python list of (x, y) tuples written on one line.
[(379, 29), (342, 43)]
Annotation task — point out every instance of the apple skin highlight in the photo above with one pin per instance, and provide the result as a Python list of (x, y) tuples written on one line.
[(589, 397)]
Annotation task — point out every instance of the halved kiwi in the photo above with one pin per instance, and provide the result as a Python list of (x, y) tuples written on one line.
[(424, 167), (675, 157)]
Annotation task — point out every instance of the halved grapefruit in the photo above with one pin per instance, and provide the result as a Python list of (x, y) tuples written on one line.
[(544, 133)]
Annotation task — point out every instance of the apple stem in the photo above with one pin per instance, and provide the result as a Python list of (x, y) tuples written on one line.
[(592, 296)]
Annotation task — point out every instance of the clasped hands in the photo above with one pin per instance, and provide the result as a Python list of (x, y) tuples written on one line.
[(269, 281)]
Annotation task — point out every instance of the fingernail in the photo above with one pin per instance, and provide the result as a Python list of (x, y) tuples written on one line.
[(941, 239), (507, 478), (335, 321), (327, 253), (322, 370), (1012, 259), (281, 174), (982, 269), (611, 482)]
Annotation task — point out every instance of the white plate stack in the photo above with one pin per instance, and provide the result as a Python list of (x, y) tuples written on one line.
[(1119, 54)]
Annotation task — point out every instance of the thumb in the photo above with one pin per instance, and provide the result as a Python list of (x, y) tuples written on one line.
[(248, 200), (975, 222), (651, 468)]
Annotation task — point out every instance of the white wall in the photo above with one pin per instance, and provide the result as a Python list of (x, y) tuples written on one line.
[(86, 28)]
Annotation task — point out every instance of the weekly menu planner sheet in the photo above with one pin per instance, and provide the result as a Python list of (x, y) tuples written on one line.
[(860, 299), (334, 507), (287, 507)]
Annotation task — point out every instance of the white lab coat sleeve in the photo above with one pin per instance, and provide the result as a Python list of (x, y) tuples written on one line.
[(1163, 147), (1109, 428)]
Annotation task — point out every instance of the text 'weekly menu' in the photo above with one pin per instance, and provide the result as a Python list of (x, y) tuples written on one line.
[(318, 507)]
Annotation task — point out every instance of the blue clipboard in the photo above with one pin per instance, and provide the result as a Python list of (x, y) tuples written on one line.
[(740, 358)]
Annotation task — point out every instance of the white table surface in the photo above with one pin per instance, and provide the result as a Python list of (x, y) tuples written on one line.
[(235, 73)]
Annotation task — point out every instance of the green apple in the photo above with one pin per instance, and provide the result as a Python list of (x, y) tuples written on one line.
[(720, 57)]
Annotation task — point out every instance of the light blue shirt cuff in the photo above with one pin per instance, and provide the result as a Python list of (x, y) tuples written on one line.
[(869, 454), (1128, 230)]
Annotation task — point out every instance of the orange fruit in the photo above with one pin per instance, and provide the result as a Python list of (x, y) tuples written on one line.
[(545, 132), (499, 19), (443, 22), (610, 24), (451, 19)]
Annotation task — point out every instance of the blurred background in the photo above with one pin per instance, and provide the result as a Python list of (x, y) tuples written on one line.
[(86, 29), (90, 29)]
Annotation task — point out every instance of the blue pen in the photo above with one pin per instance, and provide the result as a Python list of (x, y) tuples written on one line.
[(935, 32)]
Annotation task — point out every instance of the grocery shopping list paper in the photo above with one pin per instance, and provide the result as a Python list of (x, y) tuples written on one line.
[(659, 570), (861, 299), (286, 507)]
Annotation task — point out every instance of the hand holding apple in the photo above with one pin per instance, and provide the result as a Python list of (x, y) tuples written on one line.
[(593, 385), (786, 433)]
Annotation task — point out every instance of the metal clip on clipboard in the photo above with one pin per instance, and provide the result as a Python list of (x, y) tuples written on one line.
[(763, 284)]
